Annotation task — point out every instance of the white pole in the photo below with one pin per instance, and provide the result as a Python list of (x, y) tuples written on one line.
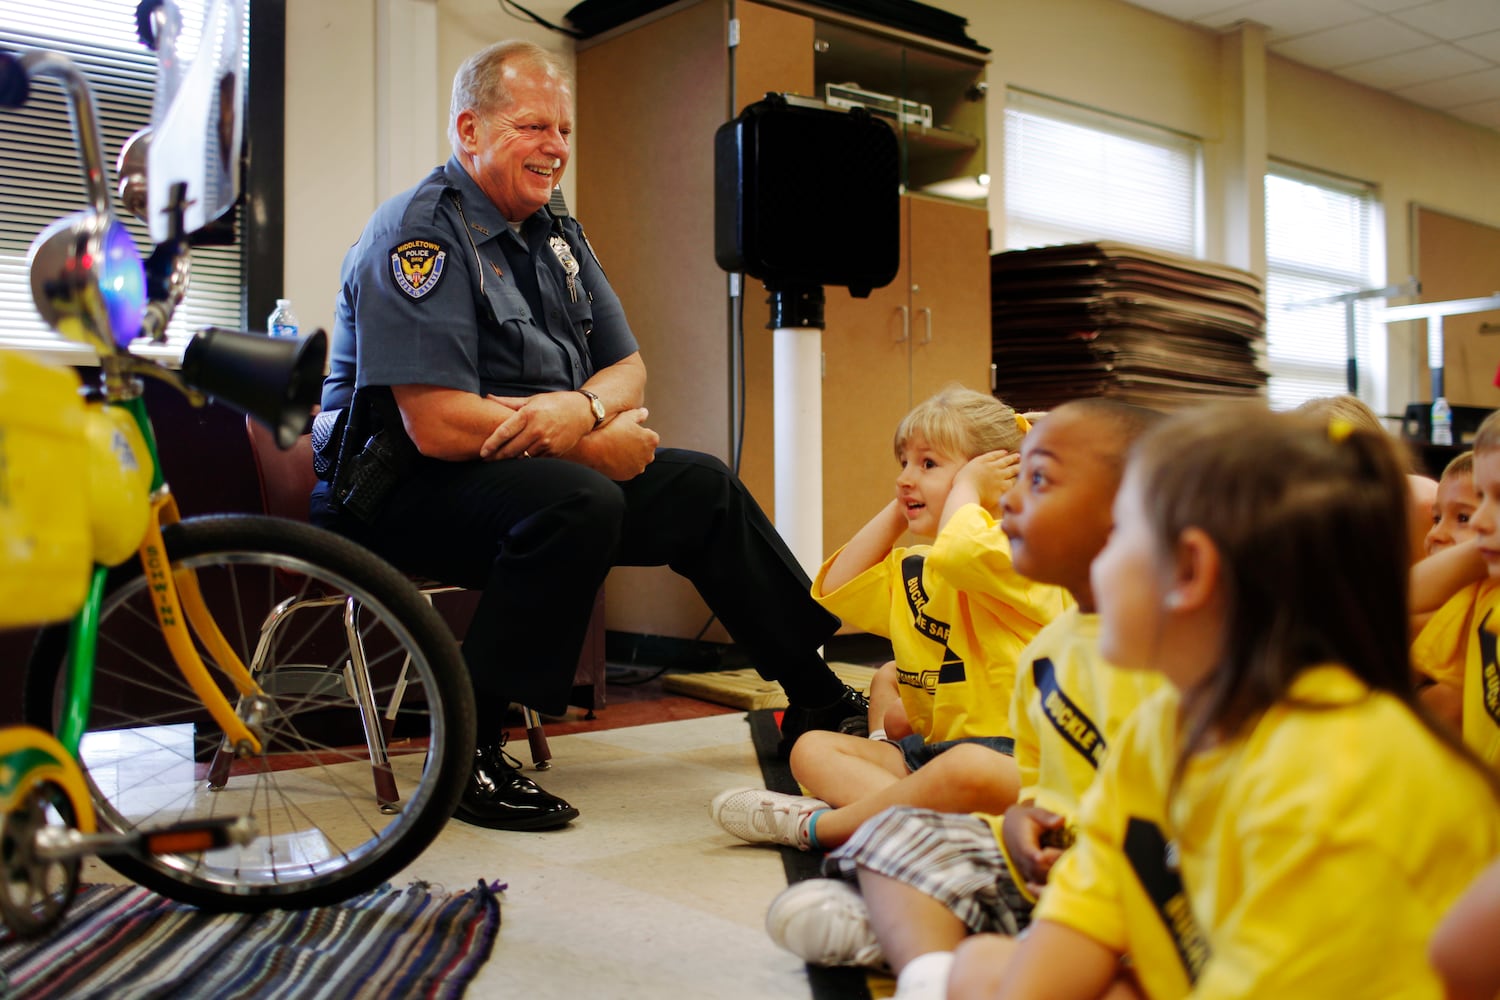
[(797, 367)]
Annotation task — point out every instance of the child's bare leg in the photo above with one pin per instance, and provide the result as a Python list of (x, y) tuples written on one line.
[(840, 769), (967, 778), (981, 962), (979, 967), (907, 922)]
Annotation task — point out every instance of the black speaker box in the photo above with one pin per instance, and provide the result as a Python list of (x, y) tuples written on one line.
[(807, 195)]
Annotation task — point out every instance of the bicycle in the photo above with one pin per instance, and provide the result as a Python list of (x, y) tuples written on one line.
[(338, 718)]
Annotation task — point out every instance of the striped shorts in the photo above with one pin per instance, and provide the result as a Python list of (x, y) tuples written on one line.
[(952, 857)]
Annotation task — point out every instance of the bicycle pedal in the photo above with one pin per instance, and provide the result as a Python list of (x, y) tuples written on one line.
[(196, 835)]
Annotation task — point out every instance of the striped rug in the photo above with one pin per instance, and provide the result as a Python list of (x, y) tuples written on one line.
[(120, 941)]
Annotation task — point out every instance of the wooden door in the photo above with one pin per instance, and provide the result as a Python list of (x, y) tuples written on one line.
[(866, 392), (950, 296)]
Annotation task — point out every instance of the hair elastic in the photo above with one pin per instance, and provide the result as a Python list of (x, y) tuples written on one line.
[(1022, 424), (1339, 430)]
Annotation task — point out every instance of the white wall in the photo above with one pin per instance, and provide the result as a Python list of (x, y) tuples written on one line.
[(367, 87), (1121, 59), (344, 130)]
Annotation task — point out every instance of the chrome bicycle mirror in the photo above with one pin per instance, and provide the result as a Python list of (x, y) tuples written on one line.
[(87, 280), (86, 275)]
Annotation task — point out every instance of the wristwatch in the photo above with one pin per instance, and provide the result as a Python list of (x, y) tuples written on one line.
[(596, 405)]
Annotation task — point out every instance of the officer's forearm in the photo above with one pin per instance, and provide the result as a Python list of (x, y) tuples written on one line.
[(448, 424), (621, 386)]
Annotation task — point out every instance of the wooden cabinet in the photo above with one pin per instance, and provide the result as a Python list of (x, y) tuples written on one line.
[(886, 353), (651, 94)]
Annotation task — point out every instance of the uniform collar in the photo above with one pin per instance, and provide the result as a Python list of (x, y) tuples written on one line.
[(485, 220)]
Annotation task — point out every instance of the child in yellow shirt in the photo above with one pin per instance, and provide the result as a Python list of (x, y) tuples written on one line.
[(1441, 685), (927, 879), (958, 613), (1278, 820)]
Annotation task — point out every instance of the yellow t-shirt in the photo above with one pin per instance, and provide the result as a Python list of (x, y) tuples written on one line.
[(1068, 707), (1311, 857), (958, 616), (1458, 646)]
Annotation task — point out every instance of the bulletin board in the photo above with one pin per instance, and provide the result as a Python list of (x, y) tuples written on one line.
[(1459, 259)]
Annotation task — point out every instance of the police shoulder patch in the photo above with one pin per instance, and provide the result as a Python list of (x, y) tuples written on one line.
[(417, 266)]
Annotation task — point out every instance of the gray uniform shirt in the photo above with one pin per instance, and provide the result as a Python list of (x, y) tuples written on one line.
[(430, 295)]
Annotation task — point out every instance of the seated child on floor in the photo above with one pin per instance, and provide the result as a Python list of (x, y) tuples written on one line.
[(957, 612), (1278, 820), (1440, 685), (927, 879), (1460, 639)]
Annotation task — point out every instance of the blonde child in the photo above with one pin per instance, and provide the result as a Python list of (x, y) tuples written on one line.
[(928, 879), (1279, 820), (1453, 510), (1441, 685), (1458, 643), (958, 614)]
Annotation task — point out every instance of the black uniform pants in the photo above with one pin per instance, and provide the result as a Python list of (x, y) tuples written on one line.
[(537, 537)]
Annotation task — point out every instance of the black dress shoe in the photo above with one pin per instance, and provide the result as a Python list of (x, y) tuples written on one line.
[(849, 714), (500, 797)]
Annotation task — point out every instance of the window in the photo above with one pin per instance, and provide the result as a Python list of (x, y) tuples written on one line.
[(40, 174), (1319, 244), (1074, 175)]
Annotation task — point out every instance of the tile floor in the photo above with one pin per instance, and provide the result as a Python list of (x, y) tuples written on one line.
[(642, 896)]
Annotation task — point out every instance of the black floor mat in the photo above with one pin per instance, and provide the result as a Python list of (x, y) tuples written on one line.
[(827, 983)]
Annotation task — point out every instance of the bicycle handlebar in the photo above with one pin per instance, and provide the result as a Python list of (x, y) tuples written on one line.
[(42, 62)]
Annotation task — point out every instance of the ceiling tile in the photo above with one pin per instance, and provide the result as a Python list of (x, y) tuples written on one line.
[(1487, 45), (1450, 19), (1287, 18), (1456, 91), (1485, 113), (1387, 6), (1182, 10), (1352, 43), (1404, 69)]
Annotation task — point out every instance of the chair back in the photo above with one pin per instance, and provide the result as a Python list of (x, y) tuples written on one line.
[(286, 477)]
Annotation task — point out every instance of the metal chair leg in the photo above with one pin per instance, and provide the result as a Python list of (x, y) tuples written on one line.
[(536, 738), (357, 673)]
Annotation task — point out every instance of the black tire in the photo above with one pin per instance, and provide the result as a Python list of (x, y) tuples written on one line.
[(321, 835)]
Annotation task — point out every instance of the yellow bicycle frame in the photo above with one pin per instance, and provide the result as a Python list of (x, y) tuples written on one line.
[(176, 592)]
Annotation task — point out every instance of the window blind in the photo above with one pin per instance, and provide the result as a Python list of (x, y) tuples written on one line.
[(1074, 174), (1319, 243), (41, 178)]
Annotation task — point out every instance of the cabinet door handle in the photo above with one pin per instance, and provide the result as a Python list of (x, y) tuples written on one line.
[(905, 324), (927, 310)]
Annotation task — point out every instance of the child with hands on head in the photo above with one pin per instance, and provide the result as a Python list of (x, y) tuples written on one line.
[(1280, 819), (1440, 676), (927, 879), (1456, 647), (958, 614)]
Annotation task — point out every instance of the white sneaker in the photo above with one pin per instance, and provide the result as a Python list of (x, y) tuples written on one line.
[(824, 921), (761, 816)]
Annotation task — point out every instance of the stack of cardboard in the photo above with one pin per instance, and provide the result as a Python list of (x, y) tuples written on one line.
[(1107, 319)]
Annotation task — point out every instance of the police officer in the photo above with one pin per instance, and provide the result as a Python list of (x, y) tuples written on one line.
[(519, 383)]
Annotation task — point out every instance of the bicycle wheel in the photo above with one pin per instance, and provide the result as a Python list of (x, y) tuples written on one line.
[(332, 818)]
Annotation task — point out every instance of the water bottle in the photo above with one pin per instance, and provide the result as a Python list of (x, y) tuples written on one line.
[(283, 323), (1442, 422)]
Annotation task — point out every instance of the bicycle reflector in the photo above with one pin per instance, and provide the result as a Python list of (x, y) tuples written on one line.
[(87, 280)]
